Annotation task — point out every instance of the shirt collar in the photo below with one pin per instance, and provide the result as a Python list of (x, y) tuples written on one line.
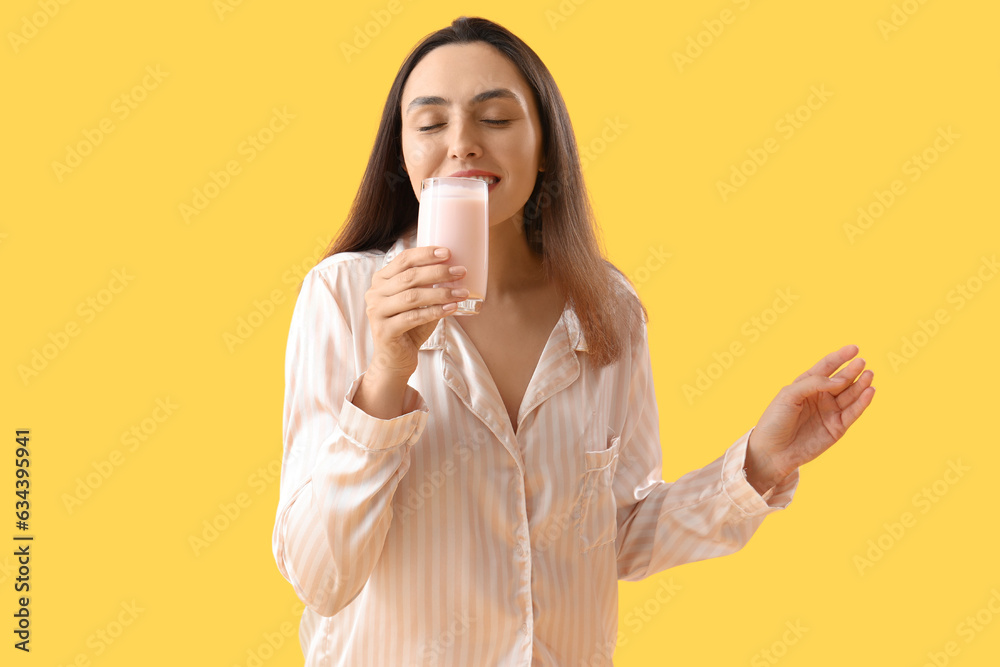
[(436, 340)]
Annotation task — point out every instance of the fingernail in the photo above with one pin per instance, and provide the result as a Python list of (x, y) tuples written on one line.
[(457, 270), (441, 252), (449, 307), (838, 379)]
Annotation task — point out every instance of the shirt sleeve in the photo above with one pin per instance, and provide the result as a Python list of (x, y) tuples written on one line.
[(340, 466), (706, 513)]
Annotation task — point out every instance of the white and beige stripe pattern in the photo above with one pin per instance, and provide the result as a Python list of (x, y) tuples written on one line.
[(442, 538)]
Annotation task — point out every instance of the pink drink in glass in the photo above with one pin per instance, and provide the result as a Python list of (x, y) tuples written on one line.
[(454, 213)]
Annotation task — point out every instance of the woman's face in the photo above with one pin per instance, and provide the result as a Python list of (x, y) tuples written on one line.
[(466, 107)]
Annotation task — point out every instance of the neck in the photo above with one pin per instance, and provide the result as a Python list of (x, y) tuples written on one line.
[(513, 267)]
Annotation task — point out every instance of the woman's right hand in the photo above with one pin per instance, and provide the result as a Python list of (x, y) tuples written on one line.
[(403, 308)]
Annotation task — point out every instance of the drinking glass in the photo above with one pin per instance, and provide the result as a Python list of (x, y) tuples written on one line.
[(454, 213)]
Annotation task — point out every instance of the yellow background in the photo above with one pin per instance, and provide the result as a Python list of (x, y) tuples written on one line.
[(654, 187)]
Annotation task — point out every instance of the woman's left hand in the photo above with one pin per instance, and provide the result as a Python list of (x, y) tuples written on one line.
[(807, 417)]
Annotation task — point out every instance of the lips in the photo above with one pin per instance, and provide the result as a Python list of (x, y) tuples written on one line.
[(475, 172), (486, 176)]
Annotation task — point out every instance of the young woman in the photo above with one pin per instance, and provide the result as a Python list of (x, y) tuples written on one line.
[(469, 490)]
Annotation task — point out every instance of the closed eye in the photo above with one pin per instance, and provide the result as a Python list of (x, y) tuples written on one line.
[(492, 121)]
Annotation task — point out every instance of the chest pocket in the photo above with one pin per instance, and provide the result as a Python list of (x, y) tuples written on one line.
[(595, 509)]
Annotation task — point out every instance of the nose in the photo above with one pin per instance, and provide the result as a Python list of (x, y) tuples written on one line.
[(464, 140)]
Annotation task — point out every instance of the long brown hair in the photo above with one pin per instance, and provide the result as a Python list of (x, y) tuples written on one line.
[(558, 218)]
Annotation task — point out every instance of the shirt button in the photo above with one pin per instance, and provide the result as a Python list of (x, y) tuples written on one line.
[(519, 550), (524, 628)]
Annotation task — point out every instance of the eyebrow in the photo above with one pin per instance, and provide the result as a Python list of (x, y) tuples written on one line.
[(502, 93)]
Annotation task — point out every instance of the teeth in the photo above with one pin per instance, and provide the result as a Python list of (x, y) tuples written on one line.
[(488, 179)]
